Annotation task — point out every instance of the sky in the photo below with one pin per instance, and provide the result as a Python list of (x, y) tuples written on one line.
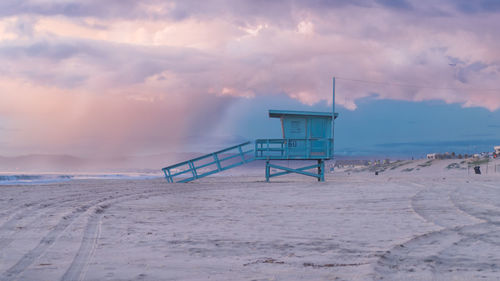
[(122, 77)]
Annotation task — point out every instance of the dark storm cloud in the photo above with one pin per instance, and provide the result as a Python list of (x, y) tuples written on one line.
[(478, 6), (396, 4), (179, 10), (48, 50), (105, 9), (123, 64), (239, 11)]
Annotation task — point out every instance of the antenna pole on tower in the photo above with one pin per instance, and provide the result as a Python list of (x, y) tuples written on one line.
[(333, 115)]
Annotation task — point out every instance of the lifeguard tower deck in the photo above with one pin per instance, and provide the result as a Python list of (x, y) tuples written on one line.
[(307, 135)]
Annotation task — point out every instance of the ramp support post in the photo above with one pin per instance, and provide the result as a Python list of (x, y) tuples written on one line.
[(321, 170), (268, 171)]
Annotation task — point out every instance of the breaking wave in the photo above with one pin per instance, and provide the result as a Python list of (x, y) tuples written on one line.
[(26, 179)]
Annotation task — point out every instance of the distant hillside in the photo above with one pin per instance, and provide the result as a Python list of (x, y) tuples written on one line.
[(65, 163), (40, 162)]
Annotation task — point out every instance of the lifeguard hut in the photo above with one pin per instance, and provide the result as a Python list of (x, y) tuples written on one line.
[(307, 135)]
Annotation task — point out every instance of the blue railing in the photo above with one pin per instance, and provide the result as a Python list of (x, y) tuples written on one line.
[(264, 149), (210, 164), (284, 149)]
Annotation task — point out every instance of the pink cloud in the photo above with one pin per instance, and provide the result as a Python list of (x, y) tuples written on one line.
[(98, 76)]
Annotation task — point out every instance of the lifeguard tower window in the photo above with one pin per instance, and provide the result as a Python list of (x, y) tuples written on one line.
[(297, 127), (294, 128)]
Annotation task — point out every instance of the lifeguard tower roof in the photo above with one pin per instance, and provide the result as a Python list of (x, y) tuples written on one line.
[(280, 113)]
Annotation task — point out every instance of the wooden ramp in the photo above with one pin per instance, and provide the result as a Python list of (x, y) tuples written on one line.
[(210, 164)]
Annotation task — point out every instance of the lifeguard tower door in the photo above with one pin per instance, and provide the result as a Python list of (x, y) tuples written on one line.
[(320, 132), (295, 128)]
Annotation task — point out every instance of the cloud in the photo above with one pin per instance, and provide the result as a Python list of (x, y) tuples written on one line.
[(480, 6), (396, 4), (113, 8), (192, 58)]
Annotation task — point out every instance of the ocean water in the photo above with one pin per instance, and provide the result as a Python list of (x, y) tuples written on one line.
[(28, 179)]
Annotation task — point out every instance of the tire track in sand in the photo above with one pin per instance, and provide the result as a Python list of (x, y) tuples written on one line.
[(34, 211), (80, 263), (425, 256), (48, 240)]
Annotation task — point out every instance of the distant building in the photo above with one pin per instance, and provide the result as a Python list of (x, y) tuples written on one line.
[(497, 149), (431, 156)]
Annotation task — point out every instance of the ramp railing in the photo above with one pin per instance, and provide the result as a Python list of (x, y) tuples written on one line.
[(289, 149), (209, 164)]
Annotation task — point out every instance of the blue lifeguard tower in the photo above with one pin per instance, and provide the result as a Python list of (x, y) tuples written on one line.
[(307, 135)]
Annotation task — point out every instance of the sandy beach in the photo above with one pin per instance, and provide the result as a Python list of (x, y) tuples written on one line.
[(355, 226), (319, 140)]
